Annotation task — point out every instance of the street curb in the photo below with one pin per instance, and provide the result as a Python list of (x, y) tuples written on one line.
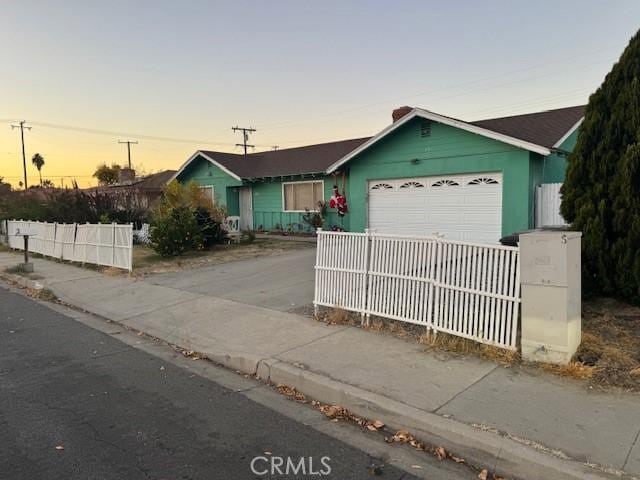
[(22, 281), (479, 448)]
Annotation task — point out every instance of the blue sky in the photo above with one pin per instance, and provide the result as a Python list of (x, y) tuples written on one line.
[(299, 72)]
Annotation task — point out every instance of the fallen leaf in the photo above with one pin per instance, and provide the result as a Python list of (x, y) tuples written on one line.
[(418, 467), (457, 459), (441, 453), (267, 452), (372, 428), (483, 474), (378, 424), (59, 447)]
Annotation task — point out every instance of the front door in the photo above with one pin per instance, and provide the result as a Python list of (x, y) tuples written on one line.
[(246, 209)]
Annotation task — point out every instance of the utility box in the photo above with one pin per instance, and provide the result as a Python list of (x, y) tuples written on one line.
[(550, 275)]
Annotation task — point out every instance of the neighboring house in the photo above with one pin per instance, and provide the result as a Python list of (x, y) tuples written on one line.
[(424, 174), (147, 189)]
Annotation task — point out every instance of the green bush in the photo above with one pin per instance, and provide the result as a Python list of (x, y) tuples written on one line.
[(186, 220), (175, 231)]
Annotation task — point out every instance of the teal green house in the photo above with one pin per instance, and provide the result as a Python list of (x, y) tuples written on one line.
[(423, 174)]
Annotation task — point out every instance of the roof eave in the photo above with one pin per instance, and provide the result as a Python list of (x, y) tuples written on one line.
[(568, 134), (417, 112), (209, 159)]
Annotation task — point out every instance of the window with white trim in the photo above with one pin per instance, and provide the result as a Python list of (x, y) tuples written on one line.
[(300, 196)]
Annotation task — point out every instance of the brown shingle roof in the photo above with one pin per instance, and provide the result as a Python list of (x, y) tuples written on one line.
[(289, 161), (542, 128)]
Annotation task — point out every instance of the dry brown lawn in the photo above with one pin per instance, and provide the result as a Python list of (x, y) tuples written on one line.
[(146, 261), (609, 355)]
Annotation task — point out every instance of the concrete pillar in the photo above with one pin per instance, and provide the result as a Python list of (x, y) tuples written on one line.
[(550, 269)]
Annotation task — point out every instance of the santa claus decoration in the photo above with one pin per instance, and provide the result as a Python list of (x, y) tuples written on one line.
[(339, 201)]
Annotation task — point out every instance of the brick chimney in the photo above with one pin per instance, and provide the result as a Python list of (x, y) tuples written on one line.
[(400, 112), (126, 175)]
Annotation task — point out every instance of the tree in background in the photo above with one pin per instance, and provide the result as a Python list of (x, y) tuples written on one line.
[(38, 162), (5, 187), (601, 193), (107, 175), (46, 183)]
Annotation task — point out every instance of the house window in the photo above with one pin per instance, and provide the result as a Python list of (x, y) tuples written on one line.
[(299, 196), (483, 181), (445, 183), (382, 186), (208, 192)]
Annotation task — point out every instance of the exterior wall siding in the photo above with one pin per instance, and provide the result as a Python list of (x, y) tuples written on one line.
[(555, 166), (405, 153), (225, 187), (268, 208)]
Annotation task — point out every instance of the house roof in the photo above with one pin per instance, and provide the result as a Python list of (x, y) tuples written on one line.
[(277, 163), (538, 132), (154, 182), (541, 128)]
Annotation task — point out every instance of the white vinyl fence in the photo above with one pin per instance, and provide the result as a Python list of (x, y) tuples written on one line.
[(100, 244), (465, 289), (548, 201)]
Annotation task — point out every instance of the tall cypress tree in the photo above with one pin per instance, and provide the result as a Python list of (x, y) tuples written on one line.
[(601, 193)]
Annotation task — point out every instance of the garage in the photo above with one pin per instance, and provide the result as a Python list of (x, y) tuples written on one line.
[(460, 207)]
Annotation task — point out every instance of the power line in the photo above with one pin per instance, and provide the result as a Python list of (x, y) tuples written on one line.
[(129, 142), (245, 137), (95, 131), (21, 126)]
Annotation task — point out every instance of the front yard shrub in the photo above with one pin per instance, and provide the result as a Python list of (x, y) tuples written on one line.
[(175, 231), (601, 193), (186, 219)]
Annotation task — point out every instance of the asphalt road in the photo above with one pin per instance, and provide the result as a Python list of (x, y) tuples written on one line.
[(77, 403)]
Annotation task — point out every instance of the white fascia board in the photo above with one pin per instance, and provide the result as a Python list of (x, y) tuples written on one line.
[(199, 153), (417, 112), (568, 134)]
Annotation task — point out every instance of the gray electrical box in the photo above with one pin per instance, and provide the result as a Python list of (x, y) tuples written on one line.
[(550, 258), (550, 274)]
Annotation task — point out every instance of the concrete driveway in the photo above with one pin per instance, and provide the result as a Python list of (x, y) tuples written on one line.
[(282, 282)]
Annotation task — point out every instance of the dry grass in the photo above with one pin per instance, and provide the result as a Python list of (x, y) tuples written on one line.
[(146, 261), (572, 369), (339, 316), (609, 354), (610, 345)]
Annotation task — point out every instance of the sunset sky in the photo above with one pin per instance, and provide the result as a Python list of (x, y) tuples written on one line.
[(176, 76)]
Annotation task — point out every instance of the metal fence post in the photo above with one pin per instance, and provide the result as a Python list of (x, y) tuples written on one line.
[(317, 274)]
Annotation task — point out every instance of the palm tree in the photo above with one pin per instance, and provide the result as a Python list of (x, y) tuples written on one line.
[(38, 161)]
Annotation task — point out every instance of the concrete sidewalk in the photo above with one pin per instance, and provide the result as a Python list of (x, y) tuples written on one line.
[(482, 411)]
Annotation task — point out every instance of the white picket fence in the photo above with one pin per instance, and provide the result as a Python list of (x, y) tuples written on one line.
[(548, 200), (465, 289), (100, 244)]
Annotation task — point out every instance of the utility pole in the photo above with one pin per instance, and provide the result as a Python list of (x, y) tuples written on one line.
[(129, 142), (245, 137), (24, 157)]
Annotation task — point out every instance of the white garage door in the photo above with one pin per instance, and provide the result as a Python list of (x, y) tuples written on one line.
[(460, 207)]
